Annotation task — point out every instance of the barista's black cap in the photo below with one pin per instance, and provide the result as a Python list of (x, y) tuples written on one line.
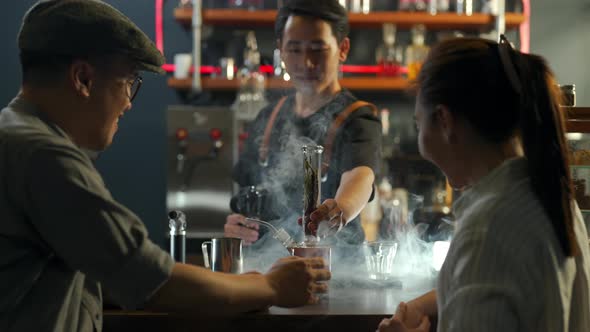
[(86, 28)]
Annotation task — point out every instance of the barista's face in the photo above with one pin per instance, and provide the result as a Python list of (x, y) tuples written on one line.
[(311, 53)]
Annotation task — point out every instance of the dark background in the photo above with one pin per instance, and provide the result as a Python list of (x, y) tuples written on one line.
[(134, 167)]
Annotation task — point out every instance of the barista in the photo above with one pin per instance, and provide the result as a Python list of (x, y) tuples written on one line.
[(312, 38)]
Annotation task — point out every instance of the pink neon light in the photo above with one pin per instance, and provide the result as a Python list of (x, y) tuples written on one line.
[(159, 25), (525, 28), (352, 69)]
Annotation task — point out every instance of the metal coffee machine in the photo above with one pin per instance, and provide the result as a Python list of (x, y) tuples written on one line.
[(200, 156)]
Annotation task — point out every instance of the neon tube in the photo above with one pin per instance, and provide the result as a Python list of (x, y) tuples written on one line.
[(525, 28)]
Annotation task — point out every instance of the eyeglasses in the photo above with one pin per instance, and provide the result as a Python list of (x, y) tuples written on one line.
[(134, 86)]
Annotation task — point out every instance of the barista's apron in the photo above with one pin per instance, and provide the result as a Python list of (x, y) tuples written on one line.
[(331, 135)]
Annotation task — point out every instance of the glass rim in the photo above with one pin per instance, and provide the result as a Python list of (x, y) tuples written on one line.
[(312, 148)]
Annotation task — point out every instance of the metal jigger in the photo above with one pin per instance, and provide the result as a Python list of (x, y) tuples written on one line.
[(177, 225)]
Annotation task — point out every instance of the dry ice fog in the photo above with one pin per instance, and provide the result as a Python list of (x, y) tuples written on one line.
[(405, 252)]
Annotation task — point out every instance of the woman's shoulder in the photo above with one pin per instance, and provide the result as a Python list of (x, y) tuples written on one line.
[(509, 216)]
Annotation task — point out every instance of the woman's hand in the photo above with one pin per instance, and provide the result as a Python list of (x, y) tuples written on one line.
[(407, 318)]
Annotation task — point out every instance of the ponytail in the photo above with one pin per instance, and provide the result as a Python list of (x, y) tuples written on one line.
[(542, 129)]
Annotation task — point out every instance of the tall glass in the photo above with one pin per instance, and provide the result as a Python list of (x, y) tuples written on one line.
[(312, 168)]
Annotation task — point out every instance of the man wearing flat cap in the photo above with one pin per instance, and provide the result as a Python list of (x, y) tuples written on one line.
[(62, 236)]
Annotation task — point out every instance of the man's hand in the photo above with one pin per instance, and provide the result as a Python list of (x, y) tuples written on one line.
[(236, 225), (407, 318), (295, 280)]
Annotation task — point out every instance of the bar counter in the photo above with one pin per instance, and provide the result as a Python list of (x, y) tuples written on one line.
[(349, 306)]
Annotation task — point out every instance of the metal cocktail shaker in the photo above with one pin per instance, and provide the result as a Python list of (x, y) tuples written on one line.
[(226, 255)]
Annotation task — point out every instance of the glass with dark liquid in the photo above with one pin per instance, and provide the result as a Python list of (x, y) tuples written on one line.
[(310, 252), (314, 251)]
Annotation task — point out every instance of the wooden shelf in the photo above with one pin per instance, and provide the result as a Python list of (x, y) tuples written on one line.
[(576, 126), (577, 113), (351, 83), (266, 18), (578, 119)]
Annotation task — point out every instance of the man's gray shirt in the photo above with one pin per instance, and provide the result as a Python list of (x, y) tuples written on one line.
[(62, 235)]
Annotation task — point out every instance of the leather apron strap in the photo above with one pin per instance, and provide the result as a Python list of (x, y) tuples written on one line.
[(264, 147), (336, 124), (328, 142)]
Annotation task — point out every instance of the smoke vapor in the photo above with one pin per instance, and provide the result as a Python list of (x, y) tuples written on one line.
[(413, 264), (409, 264)]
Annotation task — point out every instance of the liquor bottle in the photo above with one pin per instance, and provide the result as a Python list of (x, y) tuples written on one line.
[(250, 98), (360, 6), (246, 4), (464, 7), (387, 55), (417, 51), (413, 5), (438, 6)]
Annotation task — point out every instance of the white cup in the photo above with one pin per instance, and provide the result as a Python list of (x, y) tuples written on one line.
[(182, 65)]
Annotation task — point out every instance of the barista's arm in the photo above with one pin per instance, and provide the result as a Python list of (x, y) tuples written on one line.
[(353, 194), (354, 191), (361, 157)]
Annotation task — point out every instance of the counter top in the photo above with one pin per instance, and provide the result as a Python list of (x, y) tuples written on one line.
[(349, 306)]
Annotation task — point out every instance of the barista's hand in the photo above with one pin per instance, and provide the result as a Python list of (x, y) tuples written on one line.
[(294, 280), (236, 225), (407, 318), (329, 211)]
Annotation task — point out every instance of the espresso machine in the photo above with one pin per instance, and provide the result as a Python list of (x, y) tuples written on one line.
[(201, 150)]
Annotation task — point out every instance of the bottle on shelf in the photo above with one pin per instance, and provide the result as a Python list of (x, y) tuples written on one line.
[(464, 7), (185, 4), (278, 65), (438, 6), (246, 4), (417, 51), (360, 6), (250, 98), (343, 3), (489, 7), (387, 54), (568, 93), (413, 5)]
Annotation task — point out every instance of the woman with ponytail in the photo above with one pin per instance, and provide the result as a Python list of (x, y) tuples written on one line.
[(488, 116)]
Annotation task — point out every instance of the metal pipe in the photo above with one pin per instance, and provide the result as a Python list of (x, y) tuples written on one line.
[(197, 24), (278, 233), (177, 224)]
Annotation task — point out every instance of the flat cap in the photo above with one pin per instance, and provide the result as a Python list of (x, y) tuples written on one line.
[(86, 28)]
